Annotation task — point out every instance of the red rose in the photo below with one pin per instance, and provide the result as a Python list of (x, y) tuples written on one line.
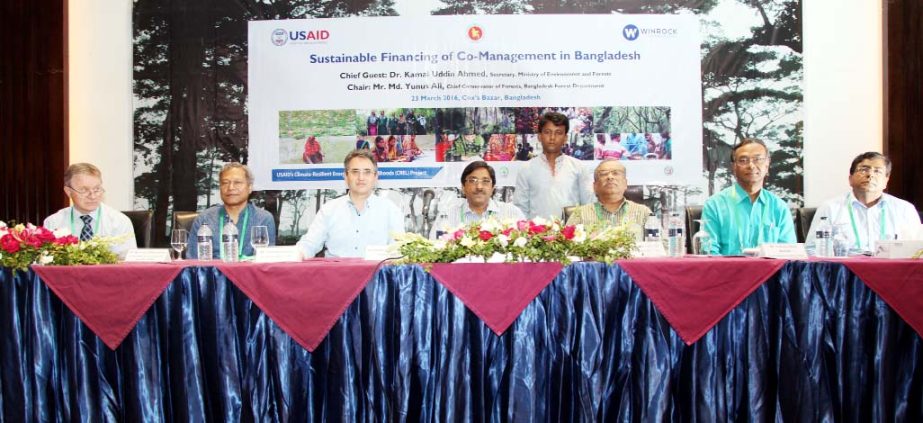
[(44, 235), (507, 231), (458, 234), (536, 229), (9, 244), (549, 238), (67, 240), (522, 225), (33, 241), (568, 232), (485, 235)]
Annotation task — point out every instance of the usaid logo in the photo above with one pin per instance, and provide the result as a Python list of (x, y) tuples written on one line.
[(631, 32), (279, 37)]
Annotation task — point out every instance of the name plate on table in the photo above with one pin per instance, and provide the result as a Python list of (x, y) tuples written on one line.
[(651, 249), (148, 255), (783, 251), (379, 253), (897, 248), (279, 254)]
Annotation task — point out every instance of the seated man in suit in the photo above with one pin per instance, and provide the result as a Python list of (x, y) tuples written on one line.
[(478, 182), (865, 213), (611, 207), (236, 184), (348, 224), (88, 216), (745, 215)]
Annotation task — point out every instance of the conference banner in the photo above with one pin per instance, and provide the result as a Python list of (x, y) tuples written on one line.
[(427, 95)]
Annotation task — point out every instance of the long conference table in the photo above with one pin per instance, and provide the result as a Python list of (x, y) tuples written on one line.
[(691, 339)]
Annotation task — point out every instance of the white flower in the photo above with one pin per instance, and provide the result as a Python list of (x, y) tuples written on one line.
[(45, 259), (439, 245), (540, 221), (490, 225), (2, 224), (521, 242), (579, 233), (503, 240), (466, 241)]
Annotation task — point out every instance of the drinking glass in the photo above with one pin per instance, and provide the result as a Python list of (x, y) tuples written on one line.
[(178, 242), (701, 241), (259, 237)]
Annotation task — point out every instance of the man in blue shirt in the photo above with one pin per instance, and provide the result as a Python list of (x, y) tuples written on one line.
[(236, 184), (745, 215), (348, 224)]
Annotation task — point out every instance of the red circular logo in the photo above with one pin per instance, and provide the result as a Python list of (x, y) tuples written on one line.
[(475, 33)]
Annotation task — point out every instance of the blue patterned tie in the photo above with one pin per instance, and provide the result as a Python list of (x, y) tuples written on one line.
[(87, 233)]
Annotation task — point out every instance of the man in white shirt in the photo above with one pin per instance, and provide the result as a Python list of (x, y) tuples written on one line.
[(865, 214), (478, 184), (552, 181), (348, 224), (88, 217)]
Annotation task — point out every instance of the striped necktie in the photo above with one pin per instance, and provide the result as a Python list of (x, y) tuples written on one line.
[(87, 232)]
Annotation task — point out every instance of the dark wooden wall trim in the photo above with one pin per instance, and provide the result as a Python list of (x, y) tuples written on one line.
[(33, 108), (903, 97)]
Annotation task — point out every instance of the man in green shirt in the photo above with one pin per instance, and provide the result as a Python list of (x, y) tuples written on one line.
[(745, 215), (611, 206)]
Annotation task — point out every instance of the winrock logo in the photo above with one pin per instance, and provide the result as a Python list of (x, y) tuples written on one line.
[(630, 32), (280, 37)]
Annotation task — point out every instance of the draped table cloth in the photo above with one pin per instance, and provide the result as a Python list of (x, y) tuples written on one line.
[(683, 340)]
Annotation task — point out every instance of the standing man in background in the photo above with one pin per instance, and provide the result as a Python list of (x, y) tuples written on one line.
[(552, 181)]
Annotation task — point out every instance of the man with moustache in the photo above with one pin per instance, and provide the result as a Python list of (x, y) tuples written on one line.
[(88, 217), (235, 183), (611, 207), (347, 225), (551, 181), (745, 215), (866, 212), (478, 182)]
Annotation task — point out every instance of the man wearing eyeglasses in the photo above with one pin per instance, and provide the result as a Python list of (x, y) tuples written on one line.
[(235, 182), (866, 214), (348, 224), (548, 183), (478, 182), (611, 207), (745, 215), (88, 217)]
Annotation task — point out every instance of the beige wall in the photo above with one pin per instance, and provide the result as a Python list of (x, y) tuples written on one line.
[(842, 77)]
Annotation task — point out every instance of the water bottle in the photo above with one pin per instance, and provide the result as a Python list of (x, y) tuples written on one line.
[(676, 241), (230, 240), (652, 228), (204, 243), (823, 239)]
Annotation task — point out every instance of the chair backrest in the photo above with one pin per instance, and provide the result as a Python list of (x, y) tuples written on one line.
[(141, 221), (805, 217), (567, 212), (693, 213), (635, 193), (184, 219)]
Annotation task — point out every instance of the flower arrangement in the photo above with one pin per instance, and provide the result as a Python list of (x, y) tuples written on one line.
[(525, 240), (22, 245)]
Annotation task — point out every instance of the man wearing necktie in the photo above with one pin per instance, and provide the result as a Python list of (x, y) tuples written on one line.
[(88, 216)]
